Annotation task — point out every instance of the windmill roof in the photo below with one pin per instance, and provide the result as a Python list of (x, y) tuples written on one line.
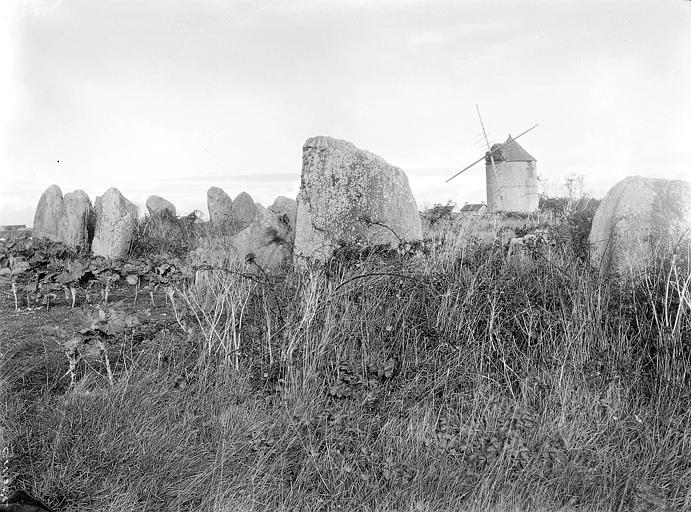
[(513, 152)]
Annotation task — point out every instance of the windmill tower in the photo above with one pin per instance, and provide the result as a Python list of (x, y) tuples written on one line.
[(511, 177)]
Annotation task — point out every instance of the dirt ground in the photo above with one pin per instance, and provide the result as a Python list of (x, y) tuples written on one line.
[(33, 360)]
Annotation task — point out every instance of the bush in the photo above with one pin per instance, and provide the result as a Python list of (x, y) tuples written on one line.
[(164, 233)]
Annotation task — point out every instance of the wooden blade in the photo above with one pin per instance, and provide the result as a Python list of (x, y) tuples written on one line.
[(491, 152)]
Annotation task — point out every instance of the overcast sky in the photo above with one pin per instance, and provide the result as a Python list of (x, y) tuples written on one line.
[(172, 97)]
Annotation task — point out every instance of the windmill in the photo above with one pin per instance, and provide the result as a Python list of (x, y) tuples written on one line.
[(510, 173)]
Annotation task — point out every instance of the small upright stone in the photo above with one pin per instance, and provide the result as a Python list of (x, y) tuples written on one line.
[(243, 211), (350, 195), (115, 223), (73, 229), (220, 205), (639, 221), (157, 205), (49, 211), (266, 241), (285, 206)]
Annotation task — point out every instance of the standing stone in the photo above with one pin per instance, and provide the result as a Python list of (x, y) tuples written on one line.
[(220, 205), (243, 211), (98, 203), (285, 206), (266, 241), (134, 210), (157, 205), (639, 221), (73, 229), (349, 195), (115, 223), (49, 211)]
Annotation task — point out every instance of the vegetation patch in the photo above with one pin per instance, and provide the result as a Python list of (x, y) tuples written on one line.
[(436, 376)]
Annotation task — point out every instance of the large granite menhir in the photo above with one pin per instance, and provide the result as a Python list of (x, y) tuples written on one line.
[(73, 228), (639, 221), (116, 218), (349, 195), (49, 211), (243, 211), (220, 205)]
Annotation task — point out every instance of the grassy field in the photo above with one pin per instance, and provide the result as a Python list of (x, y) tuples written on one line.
[(438, 378)]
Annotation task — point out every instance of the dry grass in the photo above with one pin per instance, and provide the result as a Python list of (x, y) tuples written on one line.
[(445, 381)]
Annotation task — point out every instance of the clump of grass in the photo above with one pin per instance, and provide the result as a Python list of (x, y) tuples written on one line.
[(165, 233), (435, 377)]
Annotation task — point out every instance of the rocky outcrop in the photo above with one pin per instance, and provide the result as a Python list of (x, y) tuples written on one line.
[(156, 205), (220, 205), (640, 220), (349, 195), (116, 219), (49, 211)]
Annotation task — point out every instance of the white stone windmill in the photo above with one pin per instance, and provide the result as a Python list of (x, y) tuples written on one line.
[(510, 173)]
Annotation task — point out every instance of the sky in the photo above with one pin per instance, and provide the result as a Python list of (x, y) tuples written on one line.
[(173, 97)]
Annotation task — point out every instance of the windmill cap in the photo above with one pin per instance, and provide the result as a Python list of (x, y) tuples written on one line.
[(511, 152)]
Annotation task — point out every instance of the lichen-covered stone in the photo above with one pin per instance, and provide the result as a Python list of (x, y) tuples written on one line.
[(220, 206), (348, 195), (285, 206), (640, 220), (266, 241), (49, 211), (243, 211), (115, 223), (156, 205), (73, 228)]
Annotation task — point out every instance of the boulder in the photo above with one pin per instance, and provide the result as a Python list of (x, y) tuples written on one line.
[(73, 228), (243, 211), (157, 205), (348, 195), (49, 211), (285, 206), (534, 246), (266, 241), (220, 205), (639, 221), (115, 223)]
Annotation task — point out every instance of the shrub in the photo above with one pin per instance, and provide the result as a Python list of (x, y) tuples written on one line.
[(164, 233)]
